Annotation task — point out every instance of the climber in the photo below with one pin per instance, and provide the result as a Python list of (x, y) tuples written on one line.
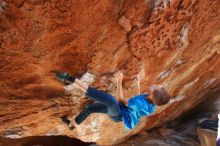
[(127, 110)]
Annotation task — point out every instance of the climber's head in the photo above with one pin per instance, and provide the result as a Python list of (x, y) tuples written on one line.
[(159, 95)]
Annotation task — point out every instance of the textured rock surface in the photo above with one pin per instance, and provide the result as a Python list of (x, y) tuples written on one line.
[(42, 141), (168, 137), (175, 43), (207, 137)]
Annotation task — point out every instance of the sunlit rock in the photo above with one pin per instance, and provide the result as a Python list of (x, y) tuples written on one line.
[(167, 42)]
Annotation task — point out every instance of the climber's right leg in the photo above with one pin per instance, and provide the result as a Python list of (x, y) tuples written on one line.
[(108, 100), (92, 108)]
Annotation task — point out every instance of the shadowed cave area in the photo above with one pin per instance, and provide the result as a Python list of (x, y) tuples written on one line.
[(174, 43)]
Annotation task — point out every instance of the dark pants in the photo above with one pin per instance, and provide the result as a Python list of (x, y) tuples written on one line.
[(209, 124), (106, 104)]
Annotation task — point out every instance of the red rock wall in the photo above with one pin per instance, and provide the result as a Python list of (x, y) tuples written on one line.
[(175, 43)]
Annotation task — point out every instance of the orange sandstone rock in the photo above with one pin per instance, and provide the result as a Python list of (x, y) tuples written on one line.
[(175, 43)]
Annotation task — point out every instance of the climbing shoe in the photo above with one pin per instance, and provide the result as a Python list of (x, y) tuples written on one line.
[(67, 122), (65, 77)]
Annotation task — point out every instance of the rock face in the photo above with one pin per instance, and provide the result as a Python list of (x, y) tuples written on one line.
[(173, 133), (175, 43), (207, 137), (42, 141)]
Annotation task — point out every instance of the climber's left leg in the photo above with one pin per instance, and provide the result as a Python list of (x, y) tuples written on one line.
[(92, 108), (106, 99)]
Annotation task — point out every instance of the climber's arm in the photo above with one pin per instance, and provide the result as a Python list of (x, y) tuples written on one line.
[(119, 94), (138, 84)]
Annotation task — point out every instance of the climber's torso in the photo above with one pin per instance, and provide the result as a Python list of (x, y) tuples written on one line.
[(138, 106)]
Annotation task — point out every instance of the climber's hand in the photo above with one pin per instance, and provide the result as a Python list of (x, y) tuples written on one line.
[(118, 75)]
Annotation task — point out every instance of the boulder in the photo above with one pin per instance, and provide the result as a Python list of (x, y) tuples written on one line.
[(207, 137), (171, 43)]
